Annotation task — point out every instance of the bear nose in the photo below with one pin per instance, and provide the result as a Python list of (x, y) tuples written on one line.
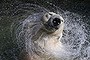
[(56, 22)]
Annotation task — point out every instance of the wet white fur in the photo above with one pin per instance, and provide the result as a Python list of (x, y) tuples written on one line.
[(47, 45)]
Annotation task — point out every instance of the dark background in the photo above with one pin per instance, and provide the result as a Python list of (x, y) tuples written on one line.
[(77, 6)]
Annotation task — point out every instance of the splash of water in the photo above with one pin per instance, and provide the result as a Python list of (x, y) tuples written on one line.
[(74, 37)]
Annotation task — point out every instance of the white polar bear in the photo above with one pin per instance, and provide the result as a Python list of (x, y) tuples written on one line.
[(44, 38)]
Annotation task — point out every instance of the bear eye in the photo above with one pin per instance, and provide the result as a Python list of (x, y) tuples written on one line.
[(50, 14), (62, 21)]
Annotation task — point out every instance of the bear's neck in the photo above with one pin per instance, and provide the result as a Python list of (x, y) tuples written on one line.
[(48, 45)]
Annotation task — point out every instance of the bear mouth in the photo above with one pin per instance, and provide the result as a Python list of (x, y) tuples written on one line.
[(52, 24)]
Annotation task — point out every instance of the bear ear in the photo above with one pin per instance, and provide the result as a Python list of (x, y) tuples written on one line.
[(45, 17)]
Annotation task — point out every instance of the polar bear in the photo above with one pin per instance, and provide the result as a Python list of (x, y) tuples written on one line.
[(45, 43)]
